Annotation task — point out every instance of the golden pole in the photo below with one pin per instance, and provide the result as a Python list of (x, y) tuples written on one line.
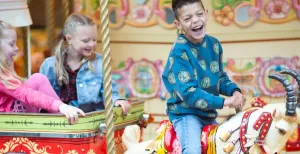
[(66, 8), (50, 24), (110, 143), (26, 49)]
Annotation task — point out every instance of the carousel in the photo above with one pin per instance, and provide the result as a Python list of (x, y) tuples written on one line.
[(97, 133), (261, 129)]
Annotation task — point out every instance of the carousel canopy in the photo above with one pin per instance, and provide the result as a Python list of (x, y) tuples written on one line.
[(15, 12)]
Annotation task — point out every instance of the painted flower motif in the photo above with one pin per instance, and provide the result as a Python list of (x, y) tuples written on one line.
[(277, 9), (141, 14), (184, 76), (184, 56), (224, 16), (171, 78)]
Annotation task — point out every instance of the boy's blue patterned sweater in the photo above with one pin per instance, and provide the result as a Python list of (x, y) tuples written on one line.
[(194, 78)]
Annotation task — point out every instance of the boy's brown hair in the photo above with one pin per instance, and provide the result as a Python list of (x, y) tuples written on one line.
[(177, 4)]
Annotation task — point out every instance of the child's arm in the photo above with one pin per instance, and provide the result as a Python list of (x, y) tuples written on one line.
[(32, 97), (227, 87), (116, 98), (115, 93), (181, 80)]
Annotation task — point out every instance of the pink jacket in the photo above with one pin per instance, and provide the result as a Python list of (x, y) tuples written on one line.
[(26, 95)]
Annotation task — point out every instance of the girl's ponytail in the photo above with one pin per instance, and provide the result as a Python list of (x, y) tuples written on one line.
[(61, 73)]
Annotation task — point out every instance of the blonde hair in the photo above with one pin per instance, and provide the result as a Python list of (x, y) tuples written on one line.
[(8, 77), (71, 23)]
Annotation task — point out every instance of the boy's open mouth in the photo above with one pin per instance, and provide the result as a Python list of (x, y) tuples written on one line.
[(197, 28)]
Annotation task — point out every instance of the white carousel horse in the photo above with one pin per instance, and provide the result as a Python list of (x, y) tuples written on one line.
[(131, 138), (262, 130)]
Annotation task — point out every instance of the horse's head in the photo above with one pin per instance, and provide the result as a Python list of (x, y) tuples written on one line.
[(285, 119)]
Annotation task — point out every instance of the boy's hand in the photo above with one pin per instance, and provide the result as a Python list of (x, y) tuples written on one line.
[(230, 101), (240, 98), (124, 104), (70, 112)]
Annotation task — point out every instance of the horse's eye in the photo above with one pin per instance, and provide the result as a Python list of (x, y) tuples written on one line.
[(281, 131)]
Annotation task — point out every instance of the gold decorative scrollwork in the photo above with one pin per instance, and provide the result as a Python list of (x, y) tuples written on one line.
[(31, 146), (10, 145)]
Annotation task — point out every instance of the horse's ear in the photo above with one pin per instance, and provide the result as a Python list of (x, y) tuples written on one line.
[(276, 114)]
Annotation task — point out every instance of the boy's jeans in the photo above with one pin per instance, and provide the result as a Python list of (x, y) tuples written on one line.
[(188, 130)]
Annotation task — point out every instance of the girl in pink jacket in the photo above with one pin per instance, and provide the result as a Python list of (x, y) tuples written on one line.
[(19, 96)]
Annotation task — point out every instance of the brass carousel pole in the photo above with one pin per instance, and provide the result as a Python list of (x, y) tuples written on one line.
[(66, 8), (110, 143), (26, 49), (27, 52), (50, 24)]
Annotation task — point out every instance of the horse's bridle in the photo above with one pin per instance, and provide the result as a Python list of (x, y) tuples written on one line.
[(263, 123)]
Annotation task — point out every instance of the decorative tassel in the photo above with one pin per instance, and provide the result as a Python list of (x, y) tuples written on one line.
[(225, 137), (228, 147)]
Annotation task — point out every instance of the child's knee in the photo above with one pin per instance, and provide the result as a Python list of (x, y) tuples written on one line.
[(38, 76)]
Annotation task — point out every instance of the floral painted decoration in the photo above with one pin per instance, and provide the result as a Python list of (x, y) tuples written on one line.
[(277, 9), (224, 16)]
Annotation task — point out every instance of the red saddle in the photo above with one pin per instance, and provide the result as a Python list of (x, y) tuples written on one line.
[(171, 141)]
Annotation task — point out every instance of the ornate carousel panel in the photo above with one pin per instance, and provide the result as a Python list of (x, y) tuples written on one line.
[(45, 133)]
